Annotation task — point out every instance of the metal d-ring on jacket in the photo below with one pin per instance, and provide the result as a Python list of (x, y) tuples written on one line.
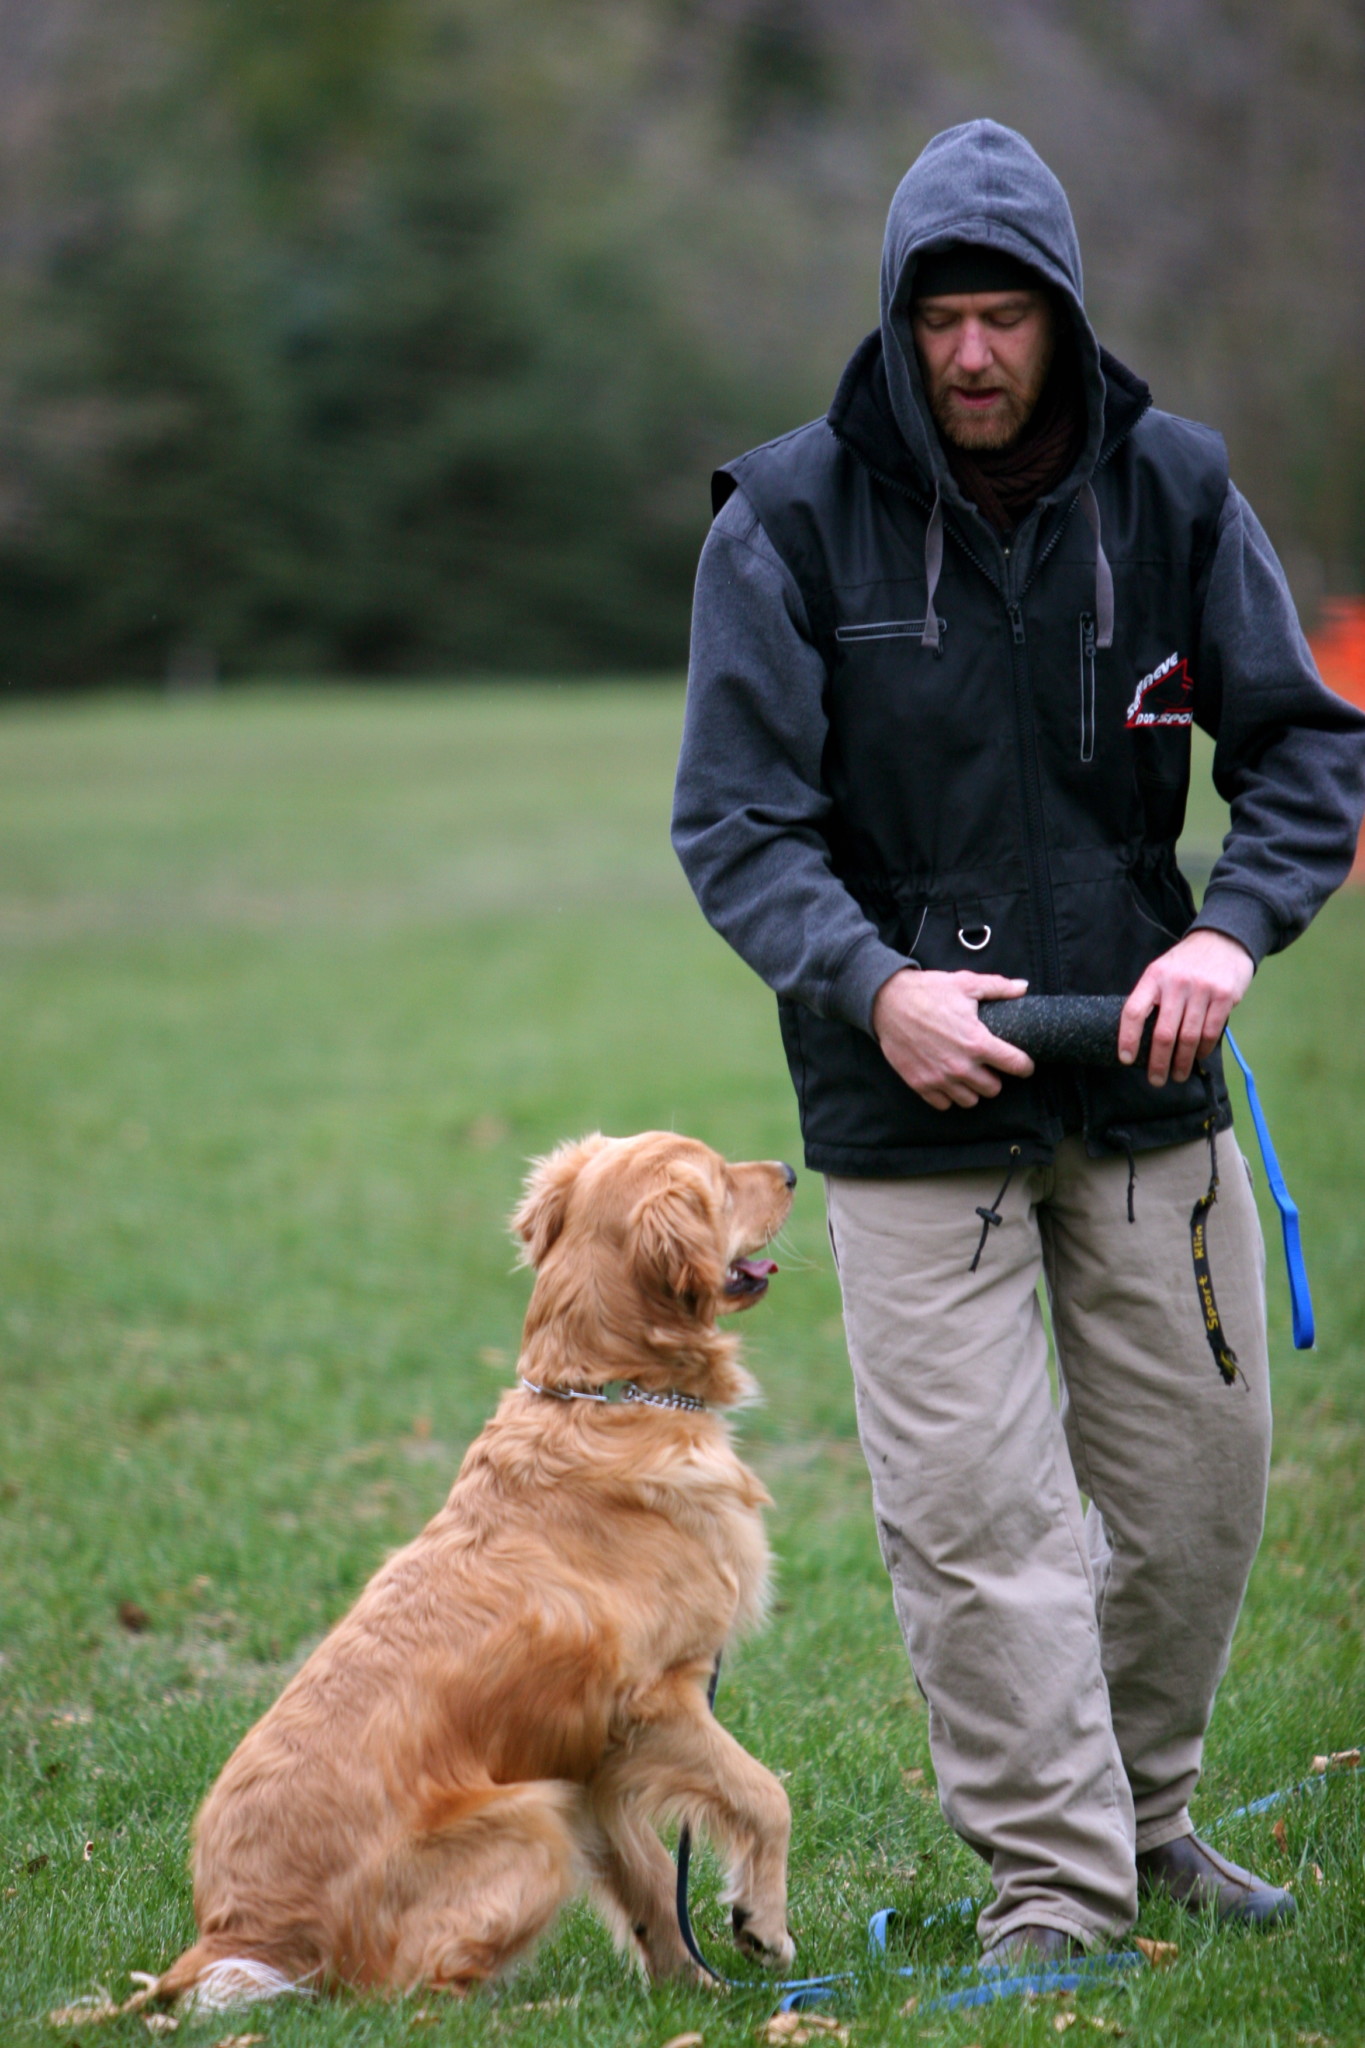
[(909, 741)]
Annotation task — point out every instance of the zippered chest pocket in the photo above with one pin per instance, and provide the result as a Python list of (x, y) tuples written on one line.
[(887, 629), (1087, 668)]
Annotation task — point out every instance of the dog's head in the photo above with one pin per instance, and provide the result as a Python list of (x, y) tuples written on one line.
[(638, 1245)]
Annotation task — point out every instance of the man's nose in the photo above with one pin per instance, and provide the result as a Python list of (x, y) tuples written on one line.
[(973, 348)]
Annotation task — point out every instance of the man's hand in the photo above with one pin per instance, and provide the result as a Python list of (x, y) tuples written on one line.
[(928, 1027), (1194, 988)]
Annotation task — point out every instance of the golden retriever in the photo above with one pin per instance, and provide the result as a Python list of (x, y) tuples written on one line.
[(518, 1695)]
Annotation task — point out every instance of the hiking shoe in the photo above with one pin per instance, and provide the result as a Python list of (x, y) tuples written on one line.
[(1196, 1876), (1025, 1947)]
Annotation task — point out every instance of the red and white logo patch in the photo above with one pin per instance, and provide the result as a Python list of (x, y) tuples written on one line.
[(1165, 697)]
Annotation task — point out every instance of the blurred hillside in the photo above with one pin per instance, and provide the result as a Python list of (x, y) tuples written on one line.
[(400, 335)]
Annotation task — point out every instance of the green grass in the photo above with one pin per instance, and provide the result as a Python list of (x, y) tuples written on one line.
[(290, 988)]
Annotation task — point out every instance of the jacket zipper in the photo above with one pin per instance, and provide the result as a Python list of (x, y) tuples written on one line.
[(1026, 731), (1087, 687), (1028, 745), (1031, 778)]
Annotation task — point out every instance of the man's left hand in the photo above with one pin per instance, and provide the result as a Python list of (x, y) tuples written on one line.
[(1194, 988)]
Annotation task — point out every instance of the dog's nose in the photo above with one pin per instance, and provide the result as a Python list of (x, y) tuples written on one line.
[(788, 1173)]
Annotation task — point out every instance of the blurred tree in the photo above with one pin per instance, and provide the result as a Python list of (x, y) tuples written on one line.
[(308, 390), (399, 335)]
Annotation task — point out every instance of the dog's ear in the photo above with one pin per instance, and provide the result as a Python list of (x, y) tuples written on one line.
[(539, 1216), (677, 1234)]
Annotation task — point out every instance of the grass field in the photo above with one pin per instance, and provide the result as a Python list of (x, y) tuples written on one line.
[(290, 988)]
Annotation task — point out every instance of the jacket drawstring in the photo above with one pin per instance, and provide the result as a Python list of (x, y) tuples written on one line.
[(933, 568), (1104, 579)]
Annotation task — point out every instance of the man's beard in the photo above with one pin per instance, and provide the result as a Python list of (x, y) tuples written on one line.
[(1000, 428)]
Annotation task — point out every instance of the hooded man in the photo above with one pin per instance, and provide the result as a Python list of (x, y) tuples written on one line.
[(948, 645)]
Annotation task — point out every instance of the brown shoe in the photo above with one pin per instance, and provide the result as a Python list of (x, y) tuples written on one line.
[(1196, 1876), (1026, 1947)]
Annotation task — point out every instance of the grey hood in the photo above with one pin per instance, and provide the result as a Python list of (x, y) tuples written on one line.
[(984, 184), (978, 183)]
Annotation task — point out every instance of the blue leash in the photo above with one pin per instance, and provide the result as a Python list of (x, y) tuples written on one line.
[(1300, 1299)]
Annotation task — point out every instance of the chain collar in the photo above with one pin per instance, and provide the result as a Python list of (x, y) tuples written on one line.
[(628, 1392)]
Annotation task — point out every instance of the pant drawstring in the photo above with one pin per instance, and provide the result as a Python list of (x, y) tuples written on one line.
[(992, 1216), (1124, 1141)]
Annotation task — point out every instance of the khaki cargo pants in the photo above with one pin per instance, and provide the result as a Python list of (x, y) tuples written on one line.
[(1069, 1658)]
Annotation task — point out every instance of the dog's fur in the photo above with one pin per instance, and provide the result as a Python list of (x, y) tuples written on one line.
[(518, 1694)]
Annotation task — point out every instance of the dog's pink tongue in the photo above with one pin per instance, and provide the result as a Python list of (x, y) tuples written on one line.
[(756, 1269)]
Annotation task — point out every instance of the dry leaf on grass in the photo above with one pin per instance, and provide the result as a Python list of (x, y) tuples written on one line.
[(685, 2041), (1065, 2020), (915, 1777), (1318, 1877), (134, 1618), (159, 2022), (239, 2041), (1314, 2040), (95, 2010), (1160, 1954), (910, 2006), (1339, 1760), (1281, 1834), (798, 2028)]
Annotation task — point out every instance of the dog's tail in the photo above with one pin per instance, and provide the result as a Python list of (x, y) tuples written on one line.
[(206, 1979), (203, 1979)]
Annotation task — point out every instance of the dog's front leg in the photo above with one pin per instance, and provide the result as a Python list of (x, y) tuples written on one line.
[(677, 1759), (635, 1882)]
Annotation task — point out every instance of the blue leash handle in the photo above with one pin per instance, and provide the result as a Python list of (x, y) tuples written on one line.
[(1300, 1297)]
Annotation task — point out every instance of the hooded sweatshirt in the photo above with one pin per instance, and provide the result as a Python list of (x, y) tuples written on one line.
[(1000, 744)]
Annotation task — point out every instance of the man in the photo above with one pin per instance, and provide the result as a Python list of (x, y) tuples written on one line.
[(948, 646)]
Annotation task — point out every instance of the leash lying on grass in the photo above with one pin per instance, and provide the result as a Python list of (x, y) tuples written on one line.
[(986, 1985)]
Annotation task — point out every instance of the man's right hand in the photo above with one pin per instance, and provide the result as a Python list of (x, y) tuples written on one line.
[(929, 1029)]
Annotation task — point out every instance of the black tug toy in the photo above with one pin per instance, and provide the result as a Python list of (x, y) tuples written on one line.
[(1079, 1030)]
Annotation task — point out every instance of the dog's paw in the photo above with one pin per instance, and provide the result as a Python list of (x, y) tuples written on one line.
[(773, 1948)]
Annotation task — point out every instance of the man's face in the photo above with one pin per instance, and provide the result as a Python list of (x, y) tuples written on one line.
[(985, 358)]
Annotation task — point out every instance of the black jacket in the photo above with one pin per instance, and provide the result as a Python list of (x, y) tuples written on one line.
[(851, 796)]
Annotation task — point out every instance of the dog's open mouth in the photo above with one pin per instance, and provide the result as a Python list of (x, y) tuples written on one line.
[(746, 1279)]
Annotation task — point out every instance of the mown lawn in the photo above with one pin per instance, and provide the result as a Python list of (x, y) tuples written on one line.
[(290, 988)]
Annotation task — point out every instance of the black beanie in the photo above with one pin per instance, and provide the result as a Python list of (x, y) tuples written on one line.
[(972, 267)]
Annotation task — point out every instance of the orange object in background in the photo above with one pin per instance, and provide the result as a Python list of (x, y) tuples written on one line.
[(1339, 651)]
